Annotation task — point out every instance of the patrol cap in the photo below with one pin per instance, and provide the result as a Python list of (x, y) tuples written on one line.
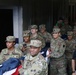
[(42, 26), (56, 29), (36, 43), (70, 33), (10, 38), (26, 33), (33, 27)]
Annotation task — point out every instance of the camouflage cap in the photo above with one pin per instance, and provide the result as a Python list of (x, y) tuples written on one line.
[(70, 33), (34, 27), (26, 33), (36, 43), (56, 29), (10, 38), (42, 26)]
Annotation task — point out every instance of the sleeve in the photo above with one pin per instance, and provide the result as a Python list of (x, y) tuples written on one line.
[(1, 57), (60, 51), (74, 55)]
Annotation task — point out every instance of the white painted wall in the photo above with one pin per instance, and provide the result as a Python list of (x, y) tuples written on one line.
[(18, 23)]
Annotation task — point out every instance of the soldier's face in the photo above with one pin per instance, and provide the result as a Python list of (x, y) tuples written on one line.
[(33, 31), (9, 44), (42, 30), (56, 35), (34, 50), (70, 37), (26, 39), (65, 22)]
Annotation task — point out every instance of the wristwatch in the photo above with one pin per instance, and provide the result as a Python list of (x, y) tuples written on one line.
[(73, 71)]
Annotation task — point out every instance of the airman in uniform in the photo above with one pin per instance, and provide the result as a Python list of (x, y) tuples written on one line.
[(70, 48), (10, 51), (35, 35), (57, 57), (34, 63)]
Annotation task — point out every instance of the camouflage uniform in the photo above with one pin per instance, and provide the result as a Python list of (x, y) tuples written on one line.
[(66, 27), (70, 47), (24, 44), (37, 36), (74, 31), (6, 54), (46, 35), (57, 62), (36, 65)]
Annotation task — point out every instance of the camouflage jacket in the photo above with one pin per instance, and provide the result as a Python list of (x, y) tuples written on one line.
[(4, 55), (70, 47), (47, 36), (34, 66), (57, 47)]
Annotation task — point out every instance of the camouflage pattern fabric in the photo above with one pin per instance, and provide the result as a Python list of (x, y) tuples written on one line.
[(4, 55), (39, 38), (47, 36), (58, 61), (70, 48), (34, 66)]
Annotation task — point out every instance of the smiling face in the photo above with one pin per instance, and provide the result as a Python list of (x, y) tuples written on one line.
[(34, 50)]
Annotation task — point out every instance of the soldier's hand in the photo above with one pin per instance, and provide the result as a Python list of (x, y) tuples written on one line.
[(24, 49), (48, 55)]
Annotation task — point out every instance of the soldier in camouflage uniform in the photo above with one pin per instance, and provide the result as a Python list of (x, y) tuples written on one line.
[(10, 51), (57, 57), (66, 27), (24, 46), (35, 35), (46, 35), (74, 31), (34, 63), (70, 47)]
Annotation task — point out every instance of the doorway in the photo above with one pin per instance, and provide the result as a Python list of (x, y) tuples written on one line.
[(6, 25)]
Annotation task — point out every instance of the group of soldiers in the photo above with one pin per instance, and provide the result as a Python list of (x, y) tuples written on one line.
[(38, 44)]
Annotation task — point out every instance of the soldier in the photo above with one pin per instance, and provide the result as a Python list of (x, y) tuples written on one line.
[(26, 42), (70, 47), (46, 35), (35, 35), (34, 63), (57, 47), (74, 63), (74, 35), (66, 27), (60, 22), (10, 51)]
